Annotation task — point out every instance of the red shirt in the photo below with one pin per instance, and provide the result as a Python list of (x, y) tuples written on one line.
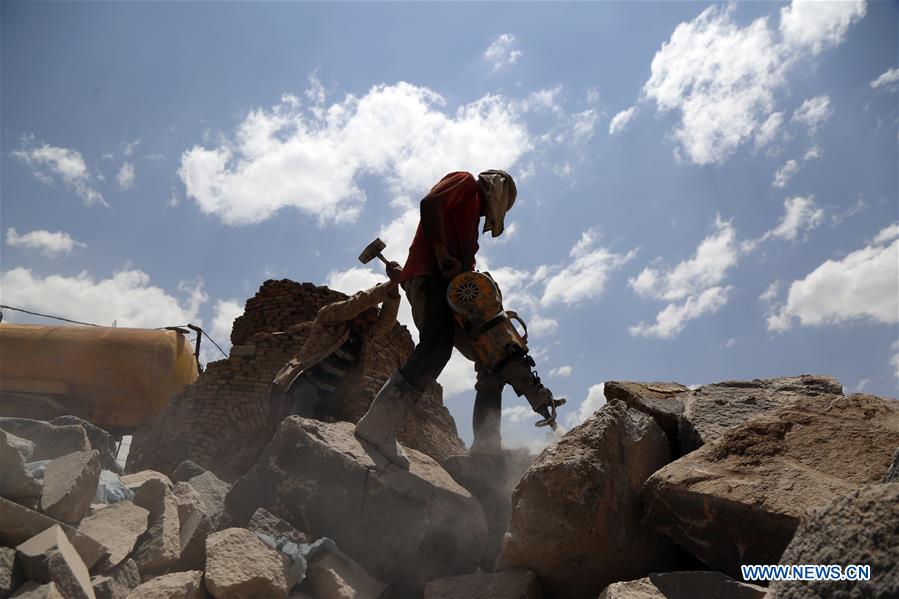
[(450, 214)]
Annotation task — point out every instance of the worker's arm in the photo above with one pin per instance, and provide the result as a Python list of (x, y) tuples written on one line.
[(353, 306)]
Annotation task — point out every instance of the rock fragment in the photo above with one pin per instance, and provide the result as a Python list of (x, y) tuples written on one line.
[(212, 491), (663, 401), (738, 500), (712, 409), (117, 527), (264, 522), (683, 585), (134, 481), (576, 513), (99, 439), (333, 577), (510, 584), (240, 565), (50, 441), (15, 480), (178, 585), (160, 546), (19, 523), (50, 557), (11, 576), (860, 527), (186, 470), (404, 527), (34, 590), (118, 582), (70, 483)]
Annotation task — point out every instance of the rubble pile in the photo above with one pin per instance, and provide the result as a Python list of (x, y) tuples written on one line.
[(664, 492), (227, 417)]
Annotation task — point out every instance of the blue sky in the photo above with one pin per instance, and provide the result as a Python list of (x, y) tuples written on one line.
[(706, 191)]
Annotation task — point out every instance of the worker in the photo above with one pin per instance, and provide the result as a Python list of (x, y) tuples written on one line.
[(308, 385), (445, 244)]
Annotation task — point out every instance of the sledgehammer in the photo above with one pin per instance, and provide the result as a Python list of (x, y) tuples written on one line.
[(373, 250)]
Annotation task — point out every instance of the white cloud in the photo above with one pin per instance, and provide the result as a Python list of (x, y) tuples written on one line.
[(723, 79), (126, 176), (801, 214), (502, 52), (768, 130), (128, 146), (542, 326), (309, 160), (595, 399), (516, 414), (887, 79), (127, 297), (785, 173), (620, 121), (354, 279), (894, 361), (49, 162), (695, 283), (561, 371), (47, 243), (728, 344), (458, 377), (224, 313), (816, 25), (813, 112), (771, 292), (812, 153), (861, 286), (585, 277)]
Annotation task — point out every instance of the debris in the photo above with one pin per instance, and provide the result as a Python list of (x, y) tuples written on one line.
[(160, 546), (99, 439), (50, 557), (186, 470), (117, 527), (334, 577), (860, 527), (404, 527), (19, 523), (51, 441), (118, 582), (663, 401), (15, 480), (576, 514), (134, 481), (738, 500), (212, 492), (683, 585), (70, 483), (11, 576), (33, 590), (240, 565), (178, 585), (510, 584)]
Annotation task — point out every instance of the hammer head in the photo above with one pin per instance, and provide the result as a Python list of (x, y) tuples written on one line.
[(372, 250)]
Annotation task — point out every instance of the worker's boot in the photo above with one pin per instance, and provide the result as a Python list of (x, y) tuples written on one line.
[(385, 415), (487, 416)]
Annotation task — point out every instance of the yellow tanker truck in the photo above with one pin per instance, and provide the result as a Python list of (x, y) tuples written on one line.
[(117, 378)]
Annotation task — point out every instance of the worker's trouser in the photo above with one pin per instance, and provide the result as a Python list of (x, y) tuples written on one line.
[(438, 333)]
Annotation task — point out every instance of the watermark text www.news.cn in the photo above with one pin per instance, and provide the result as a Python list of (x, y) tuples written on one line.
[(810, 572)]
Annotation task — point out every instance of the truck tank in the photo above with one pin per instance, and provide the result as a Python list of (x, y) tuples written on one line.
[(117, 378)]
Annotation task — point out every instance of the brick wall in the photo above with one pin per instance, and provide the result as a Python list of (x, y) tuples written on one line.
[(225, 419)]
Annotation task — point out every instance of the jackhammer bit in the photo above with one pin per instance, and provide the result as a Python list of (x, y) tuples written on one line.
[(517, 372)]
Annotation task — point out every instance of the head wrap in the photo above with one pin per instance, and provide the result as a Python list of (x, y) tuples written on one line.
[(499, 195)]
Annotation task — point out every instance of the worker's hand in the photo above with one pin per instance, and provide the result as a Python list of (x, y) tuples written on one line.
[(449, 265), (394, 271)]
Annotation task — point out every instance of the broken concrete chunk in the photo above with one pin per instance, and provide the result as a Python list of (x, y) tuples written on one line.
[(712, 409), (15, 480), (193, 535), (663, 401), (160, 546), (134, 481), (264, 522), (70, 483), (24, 446), (117, 527), (50, 441), (333, 577), (212, 491), (860, 527), (50, 557), (683, 585), (186, 470), (577, 514), (509, 584), (118, 582), (19, 523), (99, 439), (239, 565), (405, 527), (188, 501), (178, 585), (34, 590), (11, 575), (739, 499)]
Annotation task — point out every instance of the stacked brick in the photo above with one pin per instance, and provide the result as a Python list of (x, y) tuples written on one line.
[(225, 419)]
